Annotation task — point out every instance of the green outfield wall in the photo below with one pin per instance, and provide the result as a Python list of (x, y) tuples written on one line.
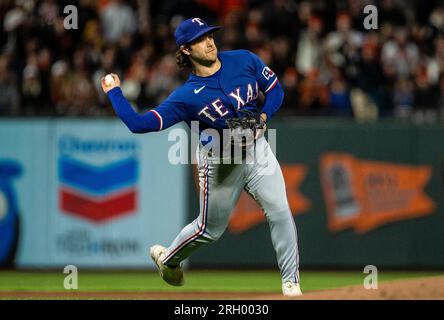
[(360, 194)]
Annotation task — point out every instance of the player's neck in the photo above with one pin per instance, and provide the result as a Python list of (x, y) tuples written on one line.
[(206, 71)]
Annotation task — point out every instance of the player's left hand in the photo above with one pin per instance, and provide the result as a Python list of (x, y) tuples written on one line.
[(260, 132)]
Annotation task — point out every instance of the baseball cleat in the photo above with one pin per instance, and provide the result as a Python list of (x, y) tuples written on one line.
[(172, 276), (291, 289)]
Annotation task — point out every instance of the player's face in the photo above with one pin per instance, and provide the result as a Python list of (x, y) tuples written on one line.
[(204, 50)]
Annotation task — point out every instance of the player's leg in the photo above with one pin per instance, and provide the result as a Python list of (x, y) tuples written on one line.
[(265, 183), (220, 188)]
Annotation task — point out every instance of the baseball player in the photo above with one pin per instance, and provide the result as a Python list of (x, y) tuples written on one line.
[(222, 87)]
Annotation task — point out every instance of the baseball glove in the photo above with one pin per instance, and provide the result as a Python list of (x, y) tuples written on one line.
[(246, 128)]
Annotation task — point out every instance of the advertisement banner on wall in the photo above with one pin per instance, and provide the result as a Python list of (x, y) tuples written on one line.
[(105, 197), (365, 195)]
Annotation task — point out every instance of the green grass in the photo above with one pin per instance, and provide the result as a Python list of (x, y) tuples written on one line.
[(196, 281)]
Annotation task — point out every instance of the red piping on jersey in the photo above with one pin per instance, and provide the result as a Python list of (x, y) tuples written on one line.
[(202, 228), (272, 85), (158, 117)]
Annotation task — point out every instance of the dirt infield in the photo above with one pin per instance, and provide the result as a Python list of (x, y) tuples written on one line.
[(425, 288), (431, 288)]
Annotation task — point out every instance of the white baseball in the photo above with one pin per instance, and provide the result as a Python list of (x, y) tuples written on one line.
[(109, 80)]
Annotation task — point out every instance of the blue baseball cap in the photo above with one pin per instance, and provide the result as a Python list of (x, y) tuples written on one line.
[(191, 29)]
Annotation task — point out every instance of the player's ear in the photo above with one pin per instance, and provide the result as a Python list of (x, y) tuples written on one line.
[(185, 49)]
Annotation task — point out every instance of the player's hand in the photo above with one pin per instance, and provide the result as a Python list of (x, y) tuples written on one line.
[(115, 83), (260, 132)]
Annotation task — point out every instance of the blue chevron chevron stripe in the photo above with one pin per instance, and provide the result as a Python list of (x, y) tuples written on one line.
[(97, 180)]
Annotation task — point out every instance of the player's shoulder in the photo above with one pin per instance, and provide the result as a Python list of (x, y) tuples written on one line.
[(238, 59)]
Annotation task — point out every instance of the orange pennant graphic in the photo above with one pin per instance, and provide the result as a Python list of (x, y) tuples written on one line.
[(340, 183), (248, 213), (367, 194)]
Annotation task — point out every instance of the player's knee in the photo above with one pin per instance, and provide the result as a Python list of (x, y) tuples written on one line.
[(215, 233), (269, 202), (272, 205), (278, 213)]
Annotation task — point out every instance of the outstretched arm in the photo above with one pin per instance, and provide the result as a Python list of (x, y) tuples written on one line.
[(136, 122)]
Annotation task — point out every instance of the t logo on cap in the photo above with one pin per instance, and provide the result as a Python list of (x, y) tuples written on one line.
[(191, 29), (199, 21)]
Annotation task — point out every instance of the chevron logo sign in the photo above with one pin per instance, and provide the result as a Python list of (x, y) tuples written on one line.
[(98, 193)]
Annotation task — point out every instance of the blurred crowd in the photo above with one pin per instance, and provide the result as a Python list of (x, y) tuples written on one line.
[(327, 62)]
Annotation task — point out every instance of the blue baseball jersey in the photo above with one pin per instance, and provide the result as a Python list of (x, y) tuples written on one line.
[(213, 99)]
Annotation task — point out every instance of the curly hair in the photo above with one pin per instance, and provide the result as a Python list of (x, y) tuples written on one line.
[(182, 60)]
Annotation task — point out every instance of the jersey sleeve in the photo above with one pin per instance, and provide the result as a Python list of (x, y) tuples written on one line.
[(168, 113), (171, 111), (266, 78)]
